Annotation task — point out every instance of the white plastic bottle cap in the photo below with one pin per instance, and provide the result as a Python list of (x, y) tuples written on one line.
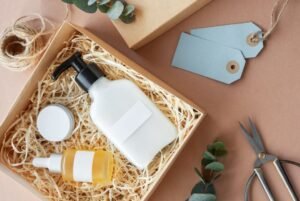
[(55, 123)]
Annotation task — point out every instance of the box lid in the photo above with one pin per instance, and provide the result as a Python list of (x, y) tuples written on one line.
[(153, 17)]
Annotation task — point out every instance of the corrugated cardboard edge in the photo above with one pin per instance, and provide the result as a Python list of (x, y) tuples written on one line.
[(29, 88), (164, 27)]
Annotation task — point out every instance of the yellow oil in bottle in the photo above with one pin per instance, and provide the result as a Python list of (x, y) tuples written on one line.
[(67, 164), (101, 168)]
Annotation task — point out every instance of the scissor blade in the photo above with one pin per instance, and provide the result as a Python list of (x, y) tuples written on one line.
[(280, 169), (250, 139), (256, 136), (264, 183)]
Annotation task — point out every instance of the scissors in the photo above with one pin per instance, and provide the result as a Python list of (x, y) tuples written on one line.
[(262, 158)]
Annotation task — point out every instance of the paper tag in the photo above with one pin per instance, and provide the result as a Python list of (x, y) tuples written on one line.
[(235, 35), (134, 118), (209, 59)]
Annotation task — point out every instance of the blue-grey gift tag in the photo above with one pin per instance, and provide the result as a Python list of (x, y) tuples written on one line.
[(219, 52), (208, 58), (239, 36)]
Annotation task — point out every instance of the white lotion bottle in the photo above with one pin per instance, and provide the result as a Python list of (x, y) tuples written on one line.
[(129, 119)]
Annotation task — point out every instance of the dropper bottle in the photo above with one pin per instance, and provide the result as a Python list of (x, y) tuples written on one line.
[(80, 166)]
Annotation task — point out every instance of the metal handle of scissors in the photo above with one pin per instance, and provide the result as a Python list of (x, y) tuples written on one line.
[(261, 178), (285, 179)]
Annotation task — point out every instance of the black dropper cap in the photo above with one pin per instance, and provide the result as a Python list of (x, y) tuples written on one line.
[(87, 74)]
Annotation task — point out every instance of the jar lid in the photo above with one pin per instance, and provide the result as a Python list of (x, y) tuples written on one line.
[(55, 122)]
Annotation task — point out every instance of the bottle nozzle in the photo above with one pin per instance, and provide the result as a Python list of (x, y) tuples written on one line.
[(53, 163), (87, 74), (74, 61), (40, 162)]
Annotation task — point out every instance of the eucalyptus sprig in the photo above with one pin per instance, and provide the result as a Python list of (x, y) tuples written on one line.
[(211, 170), (115, 9)]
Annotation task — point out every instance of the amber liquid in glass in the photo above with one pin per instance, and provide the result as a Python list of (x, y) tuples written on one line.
[(102, 168)]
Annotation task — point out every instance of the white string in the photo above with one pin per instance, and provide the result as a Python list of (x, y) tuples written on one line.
[(277, 12)]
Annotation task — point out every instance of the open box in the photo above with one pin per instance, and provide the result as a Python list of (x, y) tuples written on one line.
[(62, 35)]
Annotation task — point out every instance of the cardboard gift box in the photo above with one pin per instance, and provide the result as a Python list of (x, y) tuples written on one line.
[(154, 17), (66, 31)]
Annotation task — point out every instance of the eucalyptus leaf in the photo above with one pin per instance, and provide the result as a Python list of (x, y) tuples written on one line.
[(205, 161), (68, 1), (219, 145), (91, 2), (203, 197), (215, 166), (128, 9), (220, 149), (102, 2), (207, 155), (83, 5), (116, 10), (221, 152), (103, 8), (127, 18), (201, 187)]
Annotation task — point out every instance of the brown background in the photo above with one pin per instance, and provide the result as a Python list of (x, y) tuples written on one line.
[(268, 92)]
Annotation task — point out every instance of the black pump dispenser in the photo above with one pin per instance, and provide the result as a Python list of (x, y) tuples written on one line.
[(87, 74)]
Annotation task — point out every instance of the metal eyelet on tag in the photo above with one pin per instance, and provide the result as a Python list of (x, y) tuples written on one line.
[(233, 67), (253, 39)]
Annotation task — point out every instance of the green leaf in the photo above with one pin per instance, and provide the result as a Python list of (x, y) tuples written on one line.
[(201, 187), (220, 149), (68, 1), (116, 10), (221, 152), (200, 175), (128, 9), (203, 197), (219, 145), (83, 5), (91, 2), (103, 8), (102, 2), (205, 161), (215, 166), (207, 155), (127, 18)]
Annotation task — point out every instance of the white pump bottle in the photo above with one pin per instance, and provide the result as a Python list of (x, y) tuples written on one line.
[(129, 119)]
